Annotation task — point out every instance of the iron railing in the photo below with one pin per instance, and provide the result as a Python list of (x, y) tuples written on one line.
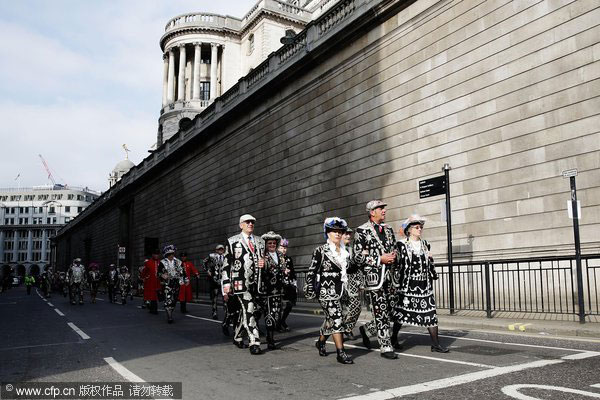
[(529, 285)]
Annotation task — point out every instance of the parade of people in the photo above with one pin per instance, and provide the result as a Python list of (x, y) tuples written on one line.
[(258, 281)]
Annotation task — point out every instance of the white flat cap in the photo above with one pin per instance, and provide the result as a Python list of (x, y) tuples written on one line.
[(247, 217)]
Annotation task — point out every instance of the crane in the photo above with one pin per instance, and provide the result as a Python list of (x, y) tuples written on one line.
[(47, 168)]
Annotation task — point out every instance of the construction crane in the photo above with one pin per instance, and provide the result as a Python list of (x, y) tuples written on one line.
[(47, 168)]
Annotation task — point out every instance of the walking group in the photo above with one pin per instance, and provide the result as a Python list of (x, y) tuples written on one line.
[(257, 280)]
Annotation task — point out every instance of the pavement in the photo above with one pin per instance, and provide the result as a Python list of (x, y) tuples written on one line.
[(518, 323), (49, 340)]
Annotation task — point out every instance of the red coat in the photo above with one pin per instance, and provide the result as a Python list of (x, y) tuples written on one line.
[(151, 284), (185, 291)]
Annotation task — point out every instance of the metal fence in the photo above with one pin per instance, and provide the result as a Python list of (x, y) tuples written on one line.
[(532, 285)]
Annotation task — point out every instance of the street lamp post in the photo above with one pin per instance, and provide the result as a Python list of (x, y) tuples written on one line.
[(446, 168)]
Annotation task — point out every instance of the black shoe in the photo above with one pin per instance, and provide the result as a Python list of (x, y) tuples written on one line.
[(225, 329), (255, 350), (395, 344), (170, 320), (124, 302), (390, 355), (271, 346), (365, 338), (239, 345), (321, 347), (343, 358), (284, 327), (215, 316), (439, 349)]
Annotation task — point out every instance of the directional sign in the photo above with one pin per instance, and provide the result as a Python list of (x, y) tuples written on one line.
[(569, 173), (432, 187)]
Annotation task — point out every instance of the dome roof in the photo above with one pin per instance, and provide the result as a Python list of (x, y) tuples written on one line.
[(123, 167)]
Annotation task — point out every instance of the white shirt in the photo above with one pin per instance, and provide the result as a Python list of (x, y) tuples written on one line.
[(275, 257), (341, 258)]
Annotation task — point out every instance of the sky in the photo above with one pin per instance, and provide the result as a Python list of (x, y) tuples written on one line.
[(78, 79)]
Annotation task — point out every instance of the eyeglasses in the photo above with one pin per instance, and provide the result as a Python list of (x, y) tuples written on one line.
[(417, 226), (249, 222)]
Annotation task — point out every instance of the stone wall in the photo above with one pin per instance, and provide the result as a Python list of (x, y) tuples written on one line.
[(503, 91)]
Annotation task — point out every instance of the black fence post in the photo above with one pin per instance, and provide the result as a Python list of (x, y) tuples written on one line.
[(446, 170), (197, 287), (488, 295), (577, 250)]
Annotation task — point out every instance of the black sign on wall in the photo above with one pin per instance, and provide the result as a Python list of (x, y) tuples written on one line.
[(432, 187)]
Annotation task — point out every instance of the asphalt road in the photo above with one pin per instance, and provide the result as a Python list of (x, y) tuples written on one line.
[(49, 340)]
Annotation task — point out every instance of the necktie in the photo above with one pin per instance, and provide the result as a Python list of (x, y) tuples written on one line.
[(250, 244)]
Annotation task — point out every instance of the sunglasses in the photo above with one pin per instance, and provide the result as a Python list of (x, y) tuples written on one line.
[(249, 222)]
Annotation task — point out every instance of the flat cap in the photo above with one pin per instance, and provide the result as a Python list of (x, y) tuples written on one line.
[(220, 247), (247, 217), (373, 204)]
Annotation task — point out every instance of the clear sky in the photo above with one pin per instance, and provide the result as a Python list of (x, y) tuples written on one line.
[(78, 79)]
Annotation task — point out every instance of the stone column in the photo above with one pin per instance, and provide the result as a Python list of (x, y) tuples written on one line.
[(197, 61), (44, 246), (165, 95), (171, 79), (30, 245), (213, 71), (181, 76)]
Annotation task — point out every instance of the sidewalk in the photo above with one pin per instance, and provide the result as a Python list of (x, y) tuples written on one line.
[(510, 322)]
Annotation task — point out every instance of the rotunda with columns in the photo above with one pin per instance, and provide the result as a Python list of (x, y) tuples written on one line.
[(205, 54)]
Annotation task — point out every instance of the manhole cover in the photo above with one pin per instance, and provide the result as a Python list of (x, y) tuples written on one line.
[(484, 350)]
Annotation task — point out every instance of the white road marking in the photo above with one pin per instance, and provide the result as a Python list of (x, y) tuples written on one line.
[(424, 357), (50, 304), (124, 372), (513, 391), (581, 356), (204, 319), (597, 385), (58, 312), (451, 381), (79, 331)]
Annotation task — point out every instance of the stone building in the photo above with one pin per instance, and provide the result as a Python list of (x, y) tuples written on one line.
[(372, 97), (30, 217), (205, 54)]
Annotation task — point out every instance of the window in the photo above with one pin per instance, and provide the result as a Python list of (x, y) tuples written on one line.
[(80, 197), (7, 257), (22, 245), (70, 196), (8, 245), (54, 220), (204, 90), (67, 209), (23, 234), (87, 198), (48, 221), (43, 197), (15, 197), (51, 210), (22, 256), (79, 209), (41, 210), (67, 219), (29, 197)]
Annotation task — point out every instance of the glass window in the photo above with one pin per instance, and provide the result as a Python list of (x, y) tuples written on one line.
[(67, 209), (204, 90)]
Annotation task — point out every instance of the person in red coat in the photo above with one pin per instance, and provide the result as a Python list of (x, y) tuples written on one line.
[(151, 284), (185, 291)]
